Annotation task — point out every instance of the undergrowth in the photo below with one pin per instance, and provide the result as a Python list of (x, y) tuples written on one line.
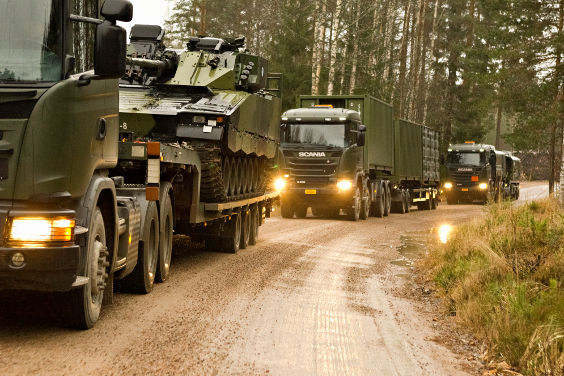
[(503, 274)]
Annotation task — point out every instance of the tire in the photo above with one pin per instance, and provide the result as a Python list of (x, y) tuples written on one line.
[(433, 201), (301, 211), (387, 199), (84, 304), (231, 244), (213, 244), (142, 278), (407, 201), (244, 175), (316, 212), (425, 205), (377, 207), (255, 223), (451, 200), (366, 202), (239, 176), (245, 229), (256, 175), (286, 208), (353, 213), (166, 221), (233, 176)]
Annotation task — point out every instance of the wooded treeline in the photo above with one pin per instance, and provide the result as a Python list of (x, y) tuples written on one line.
[(455, 65)]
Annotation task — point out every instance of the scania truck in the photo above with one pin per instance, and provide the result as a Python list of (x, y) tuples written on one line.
[(347, 153), (81, 203)]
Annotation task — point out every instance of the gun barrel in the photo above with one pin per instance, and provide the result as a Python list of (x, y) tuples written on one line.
[(146, 63)]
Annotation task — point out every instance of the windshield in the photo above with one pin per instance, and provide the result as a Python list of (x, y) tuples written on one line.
[(466, 158), (30, 41), (336, 135)]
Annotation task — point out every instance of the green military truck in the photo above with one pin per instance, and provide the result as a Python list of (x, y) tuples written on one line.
[(478, 172), (82, 201), (346, 152)]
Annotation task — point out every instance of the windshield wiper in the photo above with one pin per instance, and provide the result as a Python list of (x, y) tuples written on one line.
[(15, 81)]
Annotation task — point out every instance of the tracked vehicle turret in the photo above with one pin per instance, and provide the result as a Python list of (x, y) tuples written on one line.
[(213, 97)]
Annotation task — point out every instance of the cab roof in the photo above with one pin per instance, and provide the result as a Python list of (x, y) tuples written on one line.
[(320, 113)]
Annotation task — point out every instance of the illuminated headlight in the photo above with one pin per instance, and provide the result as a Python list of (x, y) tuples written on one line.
[(199, 119), (41, 230), (448, 185), (483, 185), (345, 184), (279, 184)]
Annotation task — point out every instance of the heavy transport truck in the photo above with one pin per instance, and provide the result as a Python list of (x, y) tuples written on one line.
[(346, 152), (478, 172), (84, 203)]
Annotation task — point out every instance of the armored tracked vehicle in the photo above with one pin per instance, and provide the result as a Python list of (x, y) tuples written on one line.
[(210, 97)]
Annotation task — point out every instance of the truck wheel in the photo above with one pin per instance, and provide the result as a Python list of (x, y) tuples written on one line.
[(353, 213), (432, 201), (377, 206), (365, 204), (245, 229), (301, 211), (85, 303), (142, 277), (451, 200), (255, 223), (231, 243), (286, 208), (165, 236), (387, 199), (407, 201)]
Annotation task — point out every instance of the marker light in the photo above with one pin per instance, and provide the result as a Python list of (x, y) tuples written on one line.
[(483, 185), (448, 185), (279, 184), (41, 229), (345, 184)]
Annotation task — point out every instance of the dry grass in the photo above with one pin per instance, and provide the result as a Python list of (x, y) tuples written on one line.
[(503, 274)]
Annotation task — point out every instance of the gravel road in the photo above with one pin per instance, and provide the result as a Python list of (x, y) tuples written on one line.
[(313, 297)]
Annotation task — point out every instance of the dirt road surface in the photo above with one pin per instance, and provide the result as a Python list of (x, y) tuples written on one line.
[(313, 297)]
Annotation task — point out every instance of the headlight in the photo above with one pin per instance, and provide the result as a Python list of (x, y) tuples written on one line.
[(199, 119), (483, 185), (41, 230), (345, 184), (279, 184), (448, 185)]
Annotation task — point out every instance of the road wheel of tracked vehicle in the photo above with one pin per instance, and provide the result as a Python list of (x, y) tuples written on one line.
[(255, 223), (245, 229), (245, 175), (84, 304), (377, 206), (165, 235), (239, 174), (407, 201), (231, 244), (256, 175), (226, 175), (353, 213), (232, 176), (142, 277), (301, 211), (366, 202), (387, 198)]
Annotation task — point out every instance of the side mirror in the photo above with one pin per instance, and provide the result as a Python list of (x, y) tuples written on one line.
[(117, 10), (362, 128), (492, 159), (361, 135), (110, 50)]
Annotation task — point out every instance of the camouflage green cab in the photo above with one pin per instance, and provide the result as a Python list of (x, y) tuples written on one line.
[(210, 96)]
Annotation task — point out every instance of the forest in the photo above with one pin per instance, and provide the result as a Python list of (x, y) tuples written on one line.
[(459, 66)]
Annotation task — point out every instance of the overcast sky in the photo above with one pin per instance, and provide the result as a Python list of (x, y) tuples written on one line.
[(151, 12)]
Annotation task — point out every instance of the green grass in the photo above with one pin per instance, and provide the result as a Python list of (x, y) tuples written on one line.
[(503, 274)]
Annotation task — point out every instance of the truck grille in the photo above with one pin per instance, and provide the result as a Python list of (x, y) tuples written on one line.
[(303, 168), (464, 178)]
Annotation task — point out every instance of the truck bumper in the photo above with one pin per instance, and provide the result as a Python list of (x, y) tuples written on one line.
[(321, 198), (470, 193), (44, 269)]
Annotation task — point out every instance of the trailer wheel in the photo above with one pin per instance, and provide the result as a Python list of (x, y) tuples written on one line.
[(433, 201), (231, 244), (142, 277), (353, 213), (387, 199), (286, 208), (165, 236), (301, 211), (245, 229), (255, 223), (407, 201), (366, 202), (377, 206), (84, 304)]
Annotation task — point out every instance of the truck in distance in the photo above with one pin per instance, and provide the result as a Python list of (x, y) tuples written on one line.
[(478, 172), (347, 153)]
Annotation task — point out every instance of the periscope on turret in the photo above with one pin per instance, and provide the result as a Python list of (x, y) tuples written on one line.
[(212, 96)]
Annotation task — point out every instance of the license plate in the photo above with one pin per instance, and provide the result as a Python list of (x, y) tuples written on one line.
[(464, 189), (310, 191)]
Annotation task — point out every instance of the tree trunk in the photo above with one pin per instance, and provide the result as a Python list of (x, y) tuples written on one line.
[(315, 51), (399, 99), (355, 49), (432, 50), (335, 30), (417, 52), (321, 48), (498, 128)]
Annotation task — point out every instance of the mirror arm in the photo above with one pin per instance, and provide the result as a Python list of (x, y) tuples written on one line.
[(76, 18), (85, 79)]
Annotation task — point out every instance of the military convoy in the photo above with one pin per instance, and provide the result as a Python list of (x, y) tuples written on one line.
[(345, 152), (93, 181), (478, 172)]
